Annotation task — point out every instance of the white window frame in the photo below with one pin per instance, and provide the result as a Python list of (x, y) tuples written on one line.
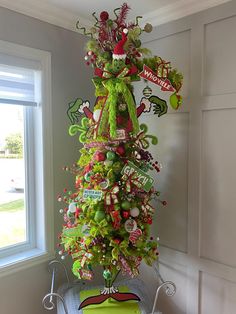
[(41, 245)]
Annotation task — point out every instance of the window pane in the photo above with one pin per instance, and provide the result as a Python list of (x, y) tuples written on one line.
[(12, 176)]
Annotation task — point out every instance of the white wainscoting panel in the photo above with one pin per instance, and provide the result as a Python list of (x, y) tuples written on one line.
[(218, 201), (220, 51), (172, 181), (178, 303), (217, 295)]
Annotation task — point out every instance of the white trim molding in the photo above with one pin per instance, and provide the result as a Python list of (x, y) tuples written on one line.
[(50, 13), (178, 10), (46, 12), (41, 219)]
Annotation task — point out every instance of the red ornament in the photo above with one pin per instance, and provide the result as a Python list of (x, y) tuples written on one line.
[(149, 220), (104, 16), (125, 214), (120, 150), (117, 241), (99, 156)]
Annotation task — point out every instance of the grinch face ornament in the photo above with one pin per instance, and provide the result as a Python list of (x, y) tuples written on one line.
[(118, 64)]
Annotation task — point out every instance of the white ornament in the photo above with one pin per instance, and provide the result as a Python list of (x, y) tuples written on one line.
[(63, 257), (104, 184), (90, 52), (96, 115), (60, 252), (61, 211), (86, 58), (130, 225), (125, 31), (134, 212), (72, 207)]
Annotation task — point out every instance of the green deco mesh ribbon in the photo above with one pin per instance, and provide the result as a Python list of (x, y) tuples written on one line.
[(116, 86)]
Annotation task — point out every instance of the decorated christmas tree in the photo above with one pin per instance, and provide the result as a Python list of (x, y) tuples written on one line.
[(109, 213)]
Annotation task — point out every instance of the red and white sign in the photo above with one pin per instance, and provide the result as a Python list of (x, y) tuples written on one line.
[(151, 76)]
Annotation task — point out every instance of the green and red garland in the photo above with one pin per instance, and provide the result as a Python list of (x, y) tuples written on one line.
[(108, 215)]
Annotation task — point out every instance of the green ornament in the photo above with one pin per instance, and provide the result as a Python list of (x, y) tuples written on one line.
[(99, 216), (107, 274), (126, 205), (111, 155), (117, 206), (175, 101)]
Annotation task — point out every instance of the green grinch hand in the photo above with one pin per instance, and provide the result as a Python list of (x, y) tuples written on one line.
[(77, 108)]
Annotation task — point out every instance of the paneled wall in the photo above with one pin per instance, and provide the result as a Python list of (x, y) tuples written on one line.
[(197, 150)]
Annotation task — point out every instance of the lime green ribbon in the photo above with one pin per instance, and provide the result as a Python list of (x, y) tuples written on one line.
[(83, 128), (142, 137), (119, 248), (114, 85), (100, 228)]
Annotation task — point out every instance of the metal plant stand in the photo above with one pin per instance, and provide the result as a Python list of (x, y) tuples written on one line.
[(51, 299)]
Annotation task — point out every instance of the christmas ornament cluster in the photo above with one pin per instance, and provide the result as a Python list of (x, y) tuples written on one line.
[(107, 217)]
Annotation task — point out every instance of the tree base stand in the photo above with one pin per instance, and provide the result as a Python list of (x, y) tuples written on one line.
[(107, 293)]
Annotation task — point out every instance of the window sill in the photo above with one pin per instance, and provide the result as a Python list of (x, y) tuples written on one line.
[(23, 260)]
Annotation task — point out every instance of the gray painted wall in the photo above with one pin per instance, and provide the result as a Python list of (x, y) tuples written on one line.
[(22, 292)]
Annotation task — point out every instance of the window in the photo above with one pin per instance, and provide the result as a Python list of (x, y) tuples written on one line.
[(26, 194)]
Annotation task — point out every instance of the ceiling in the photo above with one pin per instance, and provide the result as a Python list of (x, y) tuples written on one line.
[(65, 13)]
